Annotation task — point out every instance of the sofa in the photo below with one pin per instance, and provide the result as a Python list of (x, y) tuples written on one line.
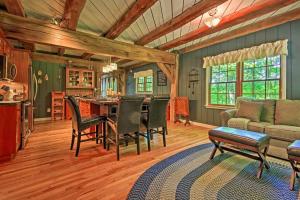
[(280, 119)]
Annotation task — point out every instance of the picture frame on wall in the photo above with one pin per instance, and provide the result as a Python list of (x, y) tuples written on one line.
[(161, 78)]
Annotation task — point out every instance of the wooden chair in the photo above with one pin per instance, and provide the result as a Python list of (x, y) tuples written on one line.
[(126, 124), (156, 118), (80, 124)]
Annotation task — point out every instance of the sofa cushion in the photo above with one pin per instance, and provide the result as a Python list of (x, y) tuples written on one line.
[(288, 112), (258, 126), (250, 110), (239, 123), (268, 111), (283, 132)]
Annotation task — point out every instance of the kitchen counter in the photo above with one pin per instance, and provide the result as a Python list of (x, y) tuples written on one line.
[(9, 102)]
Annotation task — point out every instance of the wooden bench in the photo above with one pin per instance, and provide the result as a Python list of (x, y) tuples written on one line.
[(293, 151), (238, 140)]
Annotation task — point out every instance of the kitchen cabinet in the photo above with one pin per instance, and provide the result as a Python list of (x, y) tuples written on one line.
[(10, 129), (77, 78)]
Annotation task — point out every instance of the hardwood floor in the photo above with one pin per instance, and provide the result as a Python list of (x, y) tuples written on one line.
[(47, 169)]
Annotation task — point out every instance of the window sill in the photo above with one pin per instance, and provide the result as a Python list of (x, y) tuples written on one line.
[(219, 107)]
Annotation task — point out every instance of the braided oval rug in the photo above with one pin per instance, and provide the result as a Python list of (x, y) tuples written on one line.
[(191, 175)]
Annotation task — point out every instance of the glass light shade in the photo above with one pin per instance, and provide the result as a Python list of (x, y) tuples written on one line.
[(212, 21)]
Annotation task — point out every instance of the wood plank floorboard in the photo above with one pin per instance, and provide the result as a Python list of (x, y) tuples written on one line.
[(47, 169)]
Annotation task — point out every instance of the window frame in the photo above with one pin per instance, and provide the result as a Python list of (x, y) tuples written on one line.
[(144, 85), (239, 81)]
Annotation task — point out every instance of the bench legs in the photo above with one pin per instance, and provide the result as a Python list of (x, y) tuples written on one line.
[(261, 156), (293, 174), (217, 146)]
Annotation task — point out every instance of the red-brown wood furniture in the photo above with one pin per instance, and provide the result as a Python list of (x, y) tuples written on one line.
[(10, 130)]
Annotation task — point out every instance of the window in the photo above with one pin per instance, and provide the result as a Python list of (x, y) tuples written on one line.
[(223, 84), (259, 79), (144, 84), (108, 82)]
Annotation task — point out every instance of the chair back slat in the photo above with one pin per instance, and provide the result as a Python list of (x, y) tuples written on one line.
[(76, 117), (129, 114), (157, 112)]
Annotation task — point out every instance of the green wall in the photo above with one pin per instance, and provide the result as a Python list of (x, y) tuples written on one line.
[(199, 113), (56, 82), (157, 90)]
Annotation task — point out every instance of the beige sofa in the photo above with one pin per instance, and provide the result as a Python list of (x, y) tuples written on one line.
[(279, 118)]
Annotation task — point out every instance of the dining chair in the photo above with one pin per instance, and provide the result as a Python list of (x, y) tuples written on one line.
[(80, 124), (155, 118), (126, 124)]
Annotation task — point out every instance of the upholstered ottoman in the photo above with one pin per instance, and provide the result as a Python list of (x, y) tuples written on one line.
[(241, 140), (293, 151)]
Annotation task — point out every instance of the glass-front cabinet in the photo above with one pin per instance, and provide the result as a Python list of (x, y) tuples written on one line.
[(79, 78)]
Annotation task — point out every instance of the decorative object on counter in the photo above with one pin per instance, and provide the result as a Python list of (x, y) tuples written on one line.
[(182, 109), (3, 92), (161, 78), (193, 79), (58, 105)]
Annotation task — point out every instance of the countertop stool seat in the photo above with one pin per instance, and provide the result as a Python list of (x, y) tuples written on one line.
[(293, 151), (238, 140)]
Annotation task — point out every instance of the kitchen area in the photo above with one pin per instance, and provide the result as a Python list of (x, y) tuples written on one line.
[(32, 91)]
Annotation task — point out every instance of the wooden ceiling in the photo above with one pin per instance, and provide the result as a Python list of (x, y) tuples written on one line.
[(164, 24)]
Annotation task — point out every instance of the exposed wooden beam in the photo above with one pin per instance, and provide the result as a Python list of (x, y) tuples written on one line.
[(65, 60), (86, 56), (32, 30), (136, 10), (72, 12), (29, 46), (15, 7), (166, 70), (71, 16), (243, 15), (132, 64), (180, 20), (257, 26), (61, 51)]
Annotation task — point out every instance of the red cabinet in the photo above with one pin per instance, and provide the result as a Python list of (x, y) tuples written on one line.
[(10, 130)]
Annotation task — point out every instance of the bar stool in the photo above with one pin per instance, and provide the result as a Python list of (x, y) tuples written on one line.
[(80, 124), (156, 118), (126, 124)]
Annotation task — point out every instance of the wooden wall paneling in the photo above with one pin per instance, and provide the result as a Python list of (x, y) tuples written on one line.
[(295, 62), (53, 71), (290, 31), (21, 59), (260, 37)]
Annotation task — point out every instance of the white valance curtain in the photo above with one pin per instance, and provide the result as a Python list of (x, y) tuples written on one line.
[(261, 51), (143, 73)]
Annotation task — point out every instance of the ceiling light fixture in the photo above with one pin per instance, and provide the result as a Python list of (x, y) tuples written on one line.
[(110, 67), (213, 20)]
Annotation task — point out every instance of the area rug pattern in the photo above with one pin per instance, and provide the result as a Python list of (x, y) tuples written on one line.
[(191, 175)]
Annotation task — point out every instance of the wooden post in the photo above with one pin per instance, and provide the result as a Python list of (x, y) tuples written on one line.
[(171, 71)]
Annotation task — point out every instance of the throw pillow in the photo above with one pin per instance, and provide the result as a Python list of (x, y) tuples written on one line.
[(250, 110), (288, 112)]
